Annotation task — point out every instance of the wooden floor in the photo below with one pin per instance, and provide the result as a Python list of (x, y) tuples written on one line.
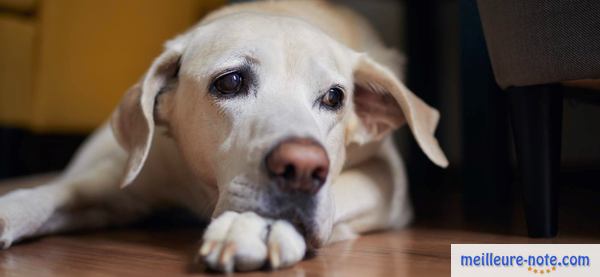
[(414, 251), (421, 250)]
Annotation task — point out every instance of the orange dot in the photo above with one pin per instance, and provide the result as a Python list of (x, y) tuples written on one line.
[(542, 271), (548, 270), (535, 271), (529, 269), (554, 268)]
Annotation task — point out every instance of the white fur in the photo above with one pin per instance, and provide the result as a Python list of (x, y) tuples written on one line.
[(171, 143)]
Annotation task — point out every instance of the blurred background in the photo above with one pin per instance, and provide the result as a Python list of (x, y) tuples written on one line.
[(64, 65)]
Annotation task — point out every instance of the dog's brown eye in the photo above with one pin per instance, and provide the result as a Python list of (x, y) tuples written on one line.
[(333, 99), (229, 84)]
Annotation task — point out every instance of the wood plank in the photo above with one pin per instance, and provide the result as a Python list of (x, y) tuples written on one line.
[(416, 251)]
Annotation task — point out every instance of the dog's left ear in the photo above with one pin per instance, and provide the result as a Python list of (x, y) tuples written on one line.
[(134, 121), (383, 103)]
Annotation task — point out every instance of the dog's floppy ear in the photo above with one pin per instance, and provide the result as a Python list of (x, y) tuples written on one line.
[(133, 122), (383, 103)]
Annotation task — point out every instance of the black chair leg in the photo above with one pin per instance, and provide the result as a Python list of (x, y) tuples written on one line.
[(537, 121)]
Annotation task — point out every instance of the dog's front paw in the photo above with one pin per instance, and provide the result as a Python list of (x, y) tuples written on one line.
[(4, 241), (247, 241), (22, 213), (17, 217)]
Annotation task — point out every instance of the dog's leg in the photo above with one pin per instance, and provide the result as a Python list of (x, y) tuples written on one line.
[(372, 195), (77, 199)]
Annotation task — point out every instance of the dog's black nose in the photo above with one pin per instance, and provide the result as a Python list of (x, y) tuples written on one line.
[(298, 164)]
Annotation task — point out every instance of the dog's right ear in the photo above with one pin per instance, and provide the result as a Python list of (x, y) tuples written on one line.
[(133, 122), (383, 103)]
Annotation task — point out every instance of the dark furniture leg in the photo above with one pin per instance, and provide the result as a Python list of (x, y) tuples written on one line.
[(486, 156), (536, 120)]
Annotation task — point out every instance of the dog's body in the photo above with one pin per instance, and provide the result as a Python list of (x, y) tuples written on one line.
[(174, 141)]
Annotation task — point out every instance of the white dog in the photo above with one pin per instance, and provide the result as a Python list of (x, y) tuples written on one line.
[(270, 118)]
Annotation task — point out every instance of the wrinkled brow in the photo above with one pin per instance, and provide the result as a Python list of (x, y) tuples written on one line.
[(235, 61)]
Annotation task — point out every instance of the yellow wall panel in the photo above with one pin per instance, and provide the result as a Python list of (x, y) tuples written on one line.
[(91, 51), (16, 69)]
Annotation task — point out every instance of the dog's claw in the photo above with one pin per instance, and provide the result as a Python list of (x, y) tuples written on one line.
[(206, 248), (274, 255), (226, 260), (286, 246)]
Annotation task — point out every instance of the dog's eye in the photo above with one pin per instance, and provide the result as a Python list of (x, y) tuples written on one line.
[(229, 84), (333, 99)]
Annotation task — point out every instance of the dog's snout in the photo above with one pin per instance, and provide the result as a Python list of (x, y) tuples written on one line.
[(298, 164)]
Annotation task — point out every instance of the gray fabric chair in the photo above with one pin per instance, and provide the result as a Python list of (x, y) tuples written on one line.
[(534, 46)]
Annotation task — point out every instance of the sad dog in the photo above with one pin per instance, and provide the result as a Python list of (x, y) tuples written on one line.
[(272, 119)]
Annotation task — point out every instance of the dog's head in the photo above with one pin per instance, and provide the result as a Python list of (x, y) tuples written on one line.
[(264, 108)]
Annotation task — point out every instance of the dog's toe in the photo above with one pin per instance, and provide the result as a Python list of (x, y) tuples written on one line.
[(286, 246), (235, 241)]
